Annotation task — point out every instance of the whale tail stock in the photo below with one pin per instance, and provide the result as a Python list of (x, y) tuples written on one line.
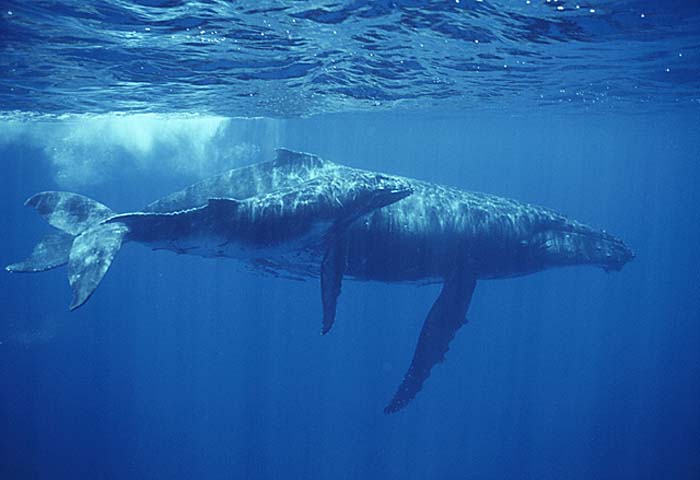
[(83, 241)]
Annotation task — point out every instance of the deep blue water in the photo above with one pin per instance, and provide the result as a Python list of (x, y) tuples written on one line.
[(180, 367)]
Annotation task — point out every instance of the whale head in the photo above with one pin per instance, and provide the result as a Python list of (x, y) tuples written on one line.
[(581, 245), (371, 191), (336, 199)]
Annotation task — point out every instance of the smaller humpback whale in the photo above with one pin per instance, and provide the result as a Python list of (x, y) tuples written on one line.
[(301, 215)]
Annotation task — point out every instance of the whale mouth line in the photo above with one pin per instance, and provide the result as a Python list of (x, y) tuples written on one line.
[(577, 246), (401, 191), (398, 193)]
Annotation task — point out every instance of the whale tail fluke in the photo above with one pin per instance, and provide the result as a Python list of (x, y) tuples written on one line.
[(83, 241), (90, 257), (52, 251)]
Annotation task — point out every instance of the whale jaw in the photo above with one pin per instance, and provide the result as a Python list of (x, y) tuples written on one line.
[(578, 244)]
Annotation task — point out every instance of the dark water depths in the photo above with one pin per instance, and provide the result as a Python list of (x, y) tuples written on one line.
[(181, 367)]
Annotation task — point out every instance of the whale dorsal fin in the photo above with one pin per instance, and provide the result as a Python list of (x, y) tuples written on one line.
[(447, 314)]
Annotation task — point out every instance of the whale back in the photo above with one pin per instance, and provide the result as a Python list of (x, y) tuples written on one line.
[(287, 170)]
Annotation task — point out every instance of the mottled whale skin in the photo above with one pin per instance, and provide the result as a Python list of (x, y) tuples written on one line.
[(301, 215)]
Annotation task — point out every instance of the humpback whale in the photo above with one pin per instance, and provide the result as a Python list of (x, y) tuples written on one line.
[(299, 214)]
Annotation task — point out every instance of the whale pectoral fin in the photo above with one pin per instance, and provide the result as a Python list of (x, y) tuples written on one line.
[(447, 314), (332, 270), (90, 257)]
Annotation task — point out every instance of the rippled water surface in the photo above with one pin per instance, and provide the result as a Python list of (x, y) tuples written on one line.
[(290, 58)]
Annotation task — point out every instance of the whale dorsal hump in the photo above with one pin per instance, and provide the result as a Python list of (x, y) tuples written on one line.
[(292, 158)]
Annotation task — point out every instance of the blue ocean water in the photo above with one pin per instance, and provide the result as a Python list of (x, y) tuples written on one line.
[(181, 367)]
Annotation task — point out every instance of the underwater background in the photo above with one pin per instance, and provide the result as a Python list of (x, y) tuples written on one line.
[(182, 367)]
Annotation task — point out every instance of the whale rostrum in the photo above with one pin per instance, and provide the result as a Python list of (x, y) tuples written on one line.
[(310, 218)]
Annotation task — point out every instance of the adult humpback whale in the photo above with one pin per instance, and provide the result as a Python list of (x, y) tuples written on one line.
[(309, 217)]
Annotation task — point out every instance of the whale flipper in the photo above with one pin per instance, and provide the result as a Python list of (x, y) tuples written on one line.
[(91, 255), (51, 252), (332, 270), (447, 314)]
